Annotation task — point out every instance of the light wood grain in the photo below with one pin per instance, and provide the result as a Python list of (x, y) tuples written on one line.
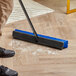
[(56, 24)]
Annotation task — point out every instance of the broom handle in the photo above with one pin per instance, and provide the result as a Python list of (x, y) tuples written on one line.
[(28, 18)]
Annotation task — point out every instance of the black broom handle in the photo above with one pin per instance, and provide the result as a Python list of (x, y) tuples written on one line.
[(28, 18)]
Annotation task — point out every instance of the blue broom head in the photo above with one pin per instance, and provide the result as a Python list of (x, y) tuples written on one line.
[(46, 37)]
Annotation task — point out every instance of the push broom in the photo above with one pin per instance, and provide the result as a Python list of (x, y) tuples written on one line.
[(38, 38)]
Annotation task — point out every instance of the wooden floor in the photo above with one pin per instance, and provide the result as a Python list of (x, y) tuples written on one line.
[(36, 60)]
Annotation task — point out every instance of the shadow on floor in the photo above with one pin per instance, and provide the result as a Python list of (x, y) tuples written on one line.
[(58, 5)]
